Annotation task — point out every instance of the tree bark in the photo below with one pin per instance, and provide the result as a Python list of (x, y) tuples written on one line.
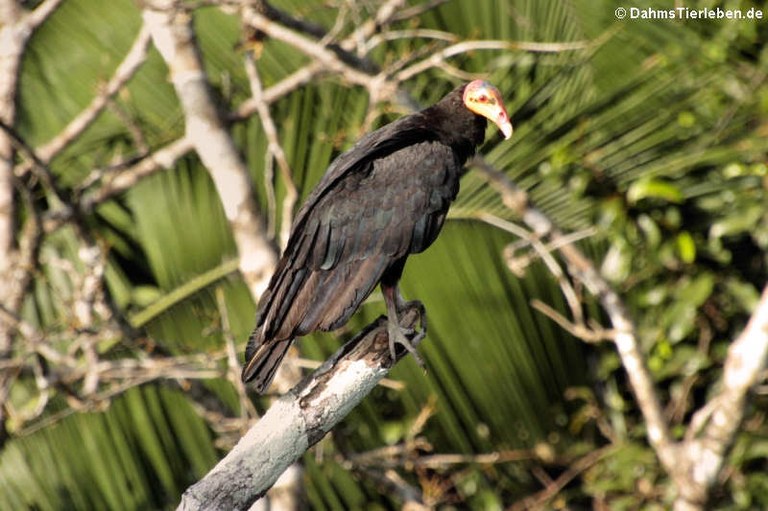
[(296, 421), (173, 36)]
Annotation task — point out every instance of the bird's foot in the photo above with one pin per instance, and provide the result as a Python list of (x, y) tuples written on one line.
[(407, 337)]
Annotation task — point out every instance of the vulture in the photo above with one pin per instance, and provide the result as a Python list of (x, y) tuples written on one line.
[(382, 200)]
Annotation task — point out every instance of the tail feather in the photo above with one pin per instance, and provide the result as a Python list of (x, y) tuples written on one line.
[(303, 301), (262, 360)]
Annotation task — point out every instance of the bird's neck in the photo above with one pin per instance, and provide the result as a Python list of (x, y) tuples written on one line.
[(457, 127)]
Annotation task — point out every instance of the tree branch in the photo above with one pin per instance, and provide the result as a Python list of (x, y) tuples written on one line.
[(131, 63), (14, 33), (705, 451), (296, 421), (329, 59), (275, 149), (694, 463), (300, 77), (42, 12), (16, 28), (437, 58), (172, 33), (624, 335)]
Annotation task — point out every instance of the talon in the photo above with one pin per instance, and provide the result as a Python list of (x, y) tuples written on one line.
[(406, 337), (399, 335)]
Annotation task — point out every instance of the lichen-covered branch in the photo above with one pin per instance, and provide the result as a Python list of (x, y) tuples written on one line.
[(296, 421)]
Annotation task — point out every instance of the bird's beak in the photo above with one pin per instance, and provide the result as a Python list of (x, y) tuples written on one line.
[(504, 124), (495, 112), (484, 99)]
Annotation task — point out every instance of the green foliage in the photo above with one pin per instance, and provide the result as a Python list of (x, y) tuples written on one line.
[(654, 133), (142, 453)]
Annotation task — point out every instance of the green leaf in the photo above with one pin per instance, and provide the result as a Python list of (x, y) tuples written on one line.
[(686, 247), (651, 188)]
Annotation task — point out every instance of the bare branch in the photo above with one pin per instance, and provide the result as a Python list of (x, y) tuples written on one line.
[(364, 30), (114, 378), (247, 410), (398, 455), (328, 58), (274, 148), (439, 57), (42, 12), (133, 60), (15, 30), (704, 454), (171, 29), (292, 82), (394, 35), (296, 421), (14, 33), (116, 183), (625, 336), (412, 498), (576, 329), (553, 488), (544, 252), (416, 10)]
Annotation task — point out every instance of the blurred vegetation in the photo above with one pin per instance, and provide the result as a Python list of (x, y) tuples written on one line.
[(655, 133)]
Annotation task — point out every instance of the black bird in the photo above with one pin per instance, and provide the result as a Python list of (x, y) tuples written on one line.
[(379, 202)]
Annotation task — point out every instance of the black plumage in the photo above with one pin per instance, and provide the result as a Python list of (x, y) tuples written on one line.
[(382, 200)]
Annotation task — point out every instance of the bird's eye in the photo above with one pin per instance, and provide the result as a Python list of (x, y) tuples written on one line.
[(482, 98)]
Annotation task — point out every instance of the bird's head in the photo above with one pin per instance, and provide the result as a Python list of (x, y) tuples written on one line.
[(484, 99)]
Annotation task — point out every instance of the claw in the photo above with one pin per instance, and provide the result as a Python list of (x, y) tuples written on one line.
[(406, 337), (400, 335)]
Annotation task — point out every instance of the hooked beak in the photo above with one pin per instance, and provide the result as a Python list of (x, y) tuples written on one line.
[(484, 99), (504, 124)]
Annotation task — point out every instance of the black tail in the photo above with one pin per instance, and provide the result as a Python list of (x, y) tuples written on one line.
[(262, 360)]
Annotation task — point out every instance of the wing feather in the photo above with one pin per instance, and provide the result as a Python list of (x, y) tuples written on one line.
[(380, 211)]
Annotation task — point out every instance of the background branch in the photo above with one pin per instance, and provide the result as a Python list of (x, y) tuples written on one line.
[(275, 150), (133, 60), (17, 26), (695, 463), (171, 29), (713, 429)]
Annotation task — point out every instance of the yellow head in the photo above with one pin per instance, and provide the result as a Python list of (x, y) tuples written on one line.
[(484, 99)]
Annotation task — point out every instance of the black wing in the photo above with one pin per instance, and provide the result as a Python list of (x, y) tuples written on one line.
[(384, 199), (370, 218)]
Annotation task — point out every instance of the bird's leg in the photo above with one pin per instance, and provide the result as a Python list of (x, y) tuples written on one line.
[(397, 334)]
